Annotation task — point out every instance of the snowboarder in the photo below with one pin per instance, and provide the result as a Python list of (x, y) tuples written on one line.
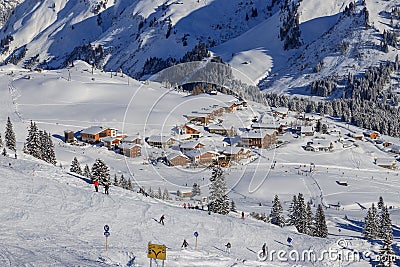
[(242, 215), (106, 187), (228, 247), (185, 244), (96, 185), (162, 219)]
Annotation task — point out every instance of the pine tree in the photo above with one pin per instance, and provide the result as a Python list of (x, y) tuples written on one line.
[(293, 212), (196, 190), (233, 206), (385, 224), (129, 185), (165, 194), (387, 255), (75, 166), (370, 230), (301, 213), (321, 229), (47, 148), (32, 145), (309, 227), (218, 199), (276, 213), (9, 137), (4, 153), (150, 192), (178, 193), (381, 204), (100, 172), (1, 142), (86, 172), (115, 183), (159, 194), (122, 182)]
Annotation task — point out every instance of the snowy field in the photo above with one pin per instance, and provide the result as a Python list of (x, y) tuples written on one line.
[(55, 219)]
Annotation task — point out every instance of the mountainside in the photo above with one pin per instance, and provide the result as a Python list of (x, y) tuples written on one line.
[(284, 45)]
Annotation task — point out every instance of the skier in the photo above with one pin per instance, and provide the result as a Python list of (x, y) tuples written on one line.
[(184, 205), (106, 187), (242, 215), (228, 247), (162, 219), (96, 185), (264, 249), (185, 244)]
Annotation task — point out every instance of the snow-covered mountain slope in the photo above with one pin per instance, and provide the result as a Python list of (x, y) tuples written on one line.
[(245, 34), (52, 218)]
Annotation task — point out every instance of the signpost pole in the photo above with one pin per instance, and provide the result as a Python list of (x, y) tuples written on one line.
[(107, 245), (196, 234)]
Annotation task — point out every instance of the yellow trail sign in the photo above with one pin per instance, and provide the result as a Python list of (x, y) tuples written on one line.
[(158, 252)]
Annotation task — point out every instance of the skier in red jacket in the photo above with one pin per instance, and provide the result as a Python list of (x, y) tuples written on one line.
[(96, 185)]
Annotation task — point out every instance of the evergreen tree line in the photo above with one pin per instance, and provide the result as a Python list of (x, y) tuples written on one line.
[(300, 215), (159, 194), (155, 64), (378, 225), (39, 144)]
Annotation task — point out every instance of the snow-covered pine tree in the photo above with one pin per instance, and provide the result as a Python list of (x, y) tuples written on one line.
[(75, 166), (100, 172), (321, 229), (32, 145), (381, 204), (293, 212), (122, 182), (86, 172), (309, 226), (196, 190), (387, 255), (301, 211), (218, 199), (48, 152), (4, 153), (385, 224), (150, 192), (159, 193), (9, 137), (233, 206), (115, 183), (165, 194), (1, 141), (370, 230), (178, 193), (129, 185), (276, 213)]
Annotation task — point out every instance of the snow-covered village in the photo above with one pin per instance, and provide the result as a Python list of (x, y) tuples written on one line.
[(200, 133)]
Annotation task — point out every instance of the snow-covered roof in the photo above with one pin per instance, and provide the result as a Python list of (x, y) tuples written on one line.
[(175, 154), (270, 125), (108, 139), (217, 127), (93, 130), (128, 145), (385, 162), (194, 127), (159, 139), (197, 152), (190, 144), (130, 138), (232, 150), (257, 133)]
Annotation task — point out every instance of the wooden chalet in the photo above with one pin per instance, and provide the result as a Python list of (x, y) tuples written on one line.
[(203, 157), (260, 138), (177, 159), (160, 141), (220, 129), (190, 145), (93, 134), (131, 150)]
